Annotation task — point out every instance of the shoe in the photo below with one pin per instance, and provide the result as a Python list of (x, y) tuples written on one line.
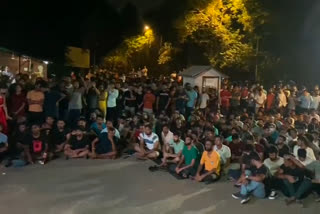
[(237, 195), (41, 162), (237, 185), (245, 199), (300, 202), (273, 195)]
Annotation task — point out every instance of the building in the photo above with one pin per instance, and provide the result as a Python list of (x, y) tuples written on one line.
[(17, 63), (204, 77)]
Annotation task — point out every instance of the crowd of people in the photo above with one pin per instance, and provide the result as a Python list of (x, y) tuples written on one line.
[(265, 142)]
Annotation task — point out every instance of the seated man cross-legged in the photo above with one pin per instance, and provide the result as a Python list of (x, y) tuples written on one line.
[(149, 144), (209, 168), (252, 181), (173, 150), (78, 144), (189, 161), (104, 147)]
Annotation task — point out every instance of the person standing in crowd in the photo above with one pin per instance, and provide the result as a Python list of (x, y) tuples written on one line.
[(260, 99), (148, 101), (103, 96), (181, 100), (92, 95), (315, 101), (163, 100), (235, 100), (113, 94), (18, 103), (52, 98), (225, 97), (3, 143), (130, 100), (35, 101), (305, 101), (75, 103), (192, 99), (282, 101), (204, 101)]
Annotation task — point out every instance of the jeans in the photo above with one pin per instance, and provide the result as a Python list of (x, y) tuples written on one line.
[(298, 189), (253, 187)]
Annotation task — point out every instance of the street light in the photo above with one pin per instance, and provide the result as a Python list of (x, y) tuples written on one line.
[(146, 27)]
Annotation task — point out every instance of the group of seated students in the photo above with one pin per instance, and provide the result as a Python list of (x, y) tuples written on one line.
[(287, 163), (45, 142), (257, 172)]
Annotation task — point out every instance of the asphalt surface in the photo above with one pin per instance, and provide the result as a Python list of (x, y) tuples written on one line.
[(122, 186)]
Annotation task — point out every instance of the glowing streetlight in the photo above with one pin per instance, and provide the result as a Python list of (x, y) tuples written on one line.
[(146, 27)]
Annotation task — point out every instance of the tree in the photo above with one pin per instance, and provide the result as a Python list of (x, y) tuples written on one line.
[(226, 29)]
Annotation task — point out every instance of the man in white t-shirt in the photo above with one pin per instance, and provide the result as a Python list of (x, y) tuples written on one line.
[(274, 162), (260, 99), (223, 150), (149, 144), (204, 100), (166, 134)]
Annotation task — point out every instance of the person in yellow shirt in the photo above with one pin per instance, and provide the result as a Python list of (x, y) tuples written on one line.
[(103, 96), (209, 167)]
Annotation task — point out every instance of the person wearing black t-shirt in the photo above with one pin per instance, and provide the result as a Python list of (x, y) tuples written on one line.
[(282, 147), (59, 136), (292, 174), (252, 182), (163, 100), (104, 147), (36, 146), (130, 102), (78, 144)]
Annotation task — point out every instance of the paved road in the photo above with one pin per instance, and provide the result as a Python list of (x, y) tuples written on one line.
[(121, 186)]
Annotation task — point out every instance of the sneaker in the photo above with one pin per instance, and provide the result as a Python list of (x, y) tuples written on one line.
[(41, 162), (237, 195), (273, 195), (245, 200)]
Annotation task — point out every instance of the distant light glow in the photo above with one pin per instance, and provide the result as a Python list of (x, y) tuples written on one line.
[(46, 62), (146, 27)]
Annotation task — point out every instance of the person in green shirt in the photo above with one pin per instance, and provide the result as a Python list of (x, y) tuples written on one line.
[(172, 151), (189, 161)]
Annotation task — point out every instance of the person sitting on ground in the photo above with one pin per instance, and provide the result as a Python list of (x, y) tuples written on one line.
[(252, 182), (59, 136), (36, 146), (273, 163), (209, 167), (109, 124), (3, 143), (78, 144), (224, 152), (302, 157), (294, 184), (149, 145), (104, 147), (98, 125), (303, 143), (282, 147), (166, 134), (189, 161), (172, 151)]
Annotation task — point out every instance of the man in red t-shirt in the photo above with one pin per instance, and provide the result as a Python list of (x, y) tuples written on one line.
[(225, 96), (148, 101)]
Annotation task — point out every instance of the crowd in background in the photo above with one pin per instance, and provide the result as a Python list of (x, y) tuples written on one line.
[(265, 141)]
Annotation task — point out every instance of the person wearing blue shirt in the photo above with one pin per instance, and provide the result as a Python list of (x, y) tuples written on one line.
[(192, 99)]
